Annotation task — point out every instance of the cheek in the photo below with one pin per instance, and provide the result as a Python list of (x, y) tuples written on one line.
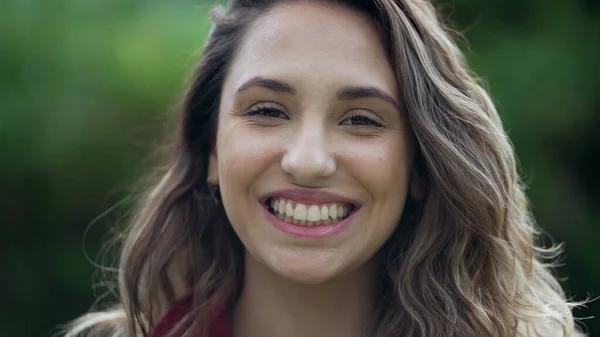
[(383, 170), (243, 153), (244, 156), (382, 166)]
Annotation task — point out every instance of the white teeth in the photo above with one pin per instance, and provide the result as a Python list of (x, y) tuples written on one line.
[(307, 214), (314, 213), (324, 213), (300, 212), (289, 209), (333, 211), (282, 204)]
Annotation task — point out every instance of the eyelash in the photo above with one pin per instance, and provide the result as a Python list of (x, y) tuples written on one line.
[(261, 109), (362, 119)]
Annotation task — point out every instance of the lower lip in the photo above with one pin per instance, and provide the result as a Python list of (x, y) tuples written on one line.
[(313, 232)]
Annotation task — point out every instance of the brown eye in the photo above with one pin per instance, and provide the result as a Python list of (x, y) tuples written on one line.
[(267, 111), (359, 119)]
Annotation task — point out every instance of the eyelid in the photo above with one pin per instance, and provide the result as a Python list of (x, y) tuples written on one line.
[(377, 121), (262, 106), (366, 114), (265, 104)]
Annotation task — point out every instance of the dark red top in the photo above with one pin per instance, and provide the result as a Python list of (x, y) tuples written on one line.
[(219, 326)]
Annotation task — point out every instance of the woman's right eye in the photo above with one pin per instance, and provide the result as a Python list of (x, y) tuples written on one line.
[(267, 111)]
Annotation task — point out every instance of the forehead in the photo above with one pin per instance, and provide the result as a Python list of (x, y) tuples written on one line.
[(316, 42)]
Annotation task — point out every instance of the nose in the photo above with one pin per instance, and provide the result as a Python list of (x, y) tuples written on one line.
[(307, 160)]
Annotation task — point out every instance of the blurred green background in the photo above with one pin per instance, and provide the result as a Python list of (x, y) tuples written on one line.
[(87, 87)]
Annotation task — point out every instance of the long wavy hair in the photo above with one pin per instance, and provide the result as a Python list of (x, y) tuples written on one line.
[(469, 263)]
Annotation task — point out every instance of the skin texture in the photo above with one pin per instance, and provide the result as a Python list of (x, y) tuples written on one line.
[(308, 138)]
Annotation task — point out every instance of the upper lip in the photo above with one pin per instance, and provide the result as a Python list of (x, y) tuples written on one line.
[(310, 196)]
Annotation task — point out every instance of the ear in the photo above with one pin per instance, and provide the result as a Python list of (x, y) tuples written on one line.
[(213, 168), (418, 180)]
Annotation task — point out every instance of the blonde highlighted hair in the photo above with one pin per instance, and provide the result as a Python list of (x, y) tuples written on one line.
[(465, 261)]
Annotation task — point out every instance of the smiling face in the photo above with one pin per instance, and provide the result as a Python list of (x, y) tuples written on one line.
[(313, 155)]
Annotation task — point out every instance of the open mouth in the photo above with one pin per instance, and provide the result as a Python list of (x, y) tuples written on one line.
[(309, 214)]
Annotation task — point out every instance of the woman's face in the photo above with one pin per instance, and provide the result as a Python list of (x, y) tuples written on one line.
[(313, 155)]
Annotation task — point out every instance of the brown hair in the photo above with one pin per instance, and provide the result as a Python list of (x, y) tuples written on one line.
[(470, 267)]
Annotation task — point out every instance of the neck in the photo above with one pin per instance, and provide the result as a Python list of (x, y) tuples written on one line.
[(272, 306)]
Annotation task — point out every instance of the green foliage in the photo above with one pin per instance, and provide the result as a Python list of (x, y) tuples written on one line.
[(86, 88)]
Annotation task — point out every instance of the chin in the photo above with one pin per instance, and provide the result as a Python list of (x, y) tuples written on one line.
[(306, 267), (306, 275)]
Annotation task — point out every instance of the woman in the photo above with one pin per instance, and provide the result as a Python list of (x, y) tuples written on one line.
[(338, 172)]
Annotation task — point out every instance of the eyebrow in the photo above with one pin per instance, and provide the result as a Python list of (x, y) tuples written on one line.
[(267, 83), (349, 93), (346, 93)]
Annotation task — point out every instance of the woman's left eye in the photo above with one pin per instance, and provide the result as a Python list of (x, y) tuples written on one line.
[(360, 119)]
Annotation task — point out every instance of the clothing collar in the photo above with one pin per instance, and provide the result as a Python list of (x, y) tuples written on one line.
[(219, 326)]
